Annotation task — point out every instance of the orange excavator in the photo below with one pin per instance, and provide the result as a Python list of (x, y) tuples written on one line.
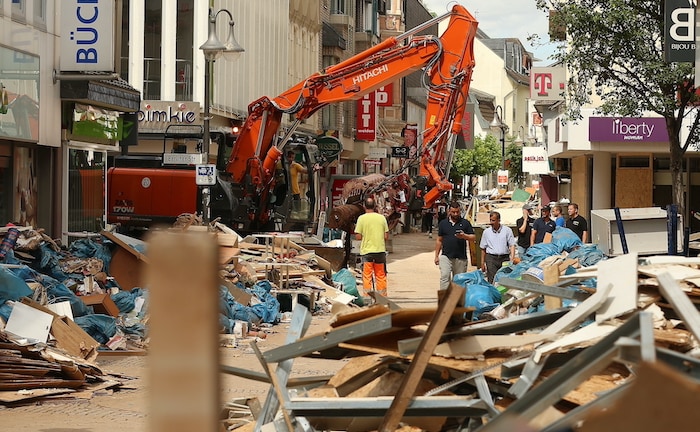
[(246, 194)]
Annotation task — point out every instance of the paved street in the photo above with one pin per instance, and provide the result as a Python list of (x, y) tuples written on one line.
[(413, 281)]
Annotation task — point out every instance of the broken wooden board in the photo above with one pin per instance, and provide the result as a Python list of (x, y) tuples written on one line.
[(677, 271), (127, 263), (621, 274), (673, 395), (69, 336), (9, 397), (476, 346)]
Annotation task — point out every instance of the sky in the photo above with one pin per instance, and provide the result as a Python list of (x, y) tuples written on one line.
[(506, 19)]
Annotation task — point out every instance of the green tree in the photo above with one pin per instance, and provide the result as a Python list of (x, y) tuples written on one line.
[(615, 48), (483, 159), (514, 156)]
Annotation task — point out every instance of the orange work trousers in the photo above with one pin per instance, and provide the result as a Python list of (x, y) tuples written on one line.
[(374, 273)]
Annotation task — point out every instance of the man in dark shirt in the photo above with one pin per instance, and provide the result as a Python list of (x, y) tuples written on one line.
[(577, 223), (524, 225), (542, 226), (454, 235)]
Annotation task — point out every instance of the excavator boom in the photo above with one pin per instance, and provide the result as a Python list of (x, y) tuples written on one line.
[(447, 62)]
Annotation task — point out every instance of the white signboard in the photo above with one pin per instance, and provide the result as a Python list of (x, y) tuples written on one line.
[(206, 175), (377, 153), (502, 177), (535, 160), (87, 35)]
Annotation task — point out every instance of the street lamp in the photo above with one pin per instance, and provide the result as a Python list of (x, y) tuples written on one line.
[(213, 49), (519, 139), (496, 125)]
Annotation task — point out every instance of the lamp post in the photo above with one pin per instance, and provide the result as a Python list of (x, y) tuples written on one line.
[(496, 125), (213, 49), (519, 139)]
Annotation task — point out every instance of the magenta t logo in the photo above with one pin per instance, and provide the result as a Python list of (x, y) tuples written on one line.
[(543, 82)]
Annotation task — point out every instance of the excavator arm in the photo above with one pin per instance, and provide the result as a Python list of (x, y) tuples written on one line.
[(447, 62)]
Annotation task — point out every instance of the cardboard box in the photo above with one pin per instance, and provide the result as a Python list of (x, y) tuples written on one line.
[(102, 304)]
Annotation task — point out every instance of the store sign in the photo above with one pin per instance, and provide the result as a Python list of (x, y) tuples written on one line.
[(627, 129), (377, 153), (502, 177), (548, 83), (87, 35), (366, 118), (372, 162), (679, 26), (399, 152), (155, 116), (385, 95), (535, 160), (329, 146)]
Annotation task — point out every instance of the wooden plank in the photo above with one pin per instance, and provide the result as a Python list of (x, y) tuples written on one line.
[(420, 361), (621, 273), (14, 396), (184, 377), (674, 395), (681, 303), (359, 371), (579, 313), (551, 277), (473, 346)]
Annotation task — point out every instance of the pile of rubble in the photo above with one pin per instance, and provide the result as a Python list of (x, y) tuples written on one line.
[(61, 307), (614, 346)]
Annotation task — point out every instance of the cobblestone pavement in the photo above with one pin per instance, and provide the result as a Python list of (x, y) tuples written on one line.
[(413, 282)]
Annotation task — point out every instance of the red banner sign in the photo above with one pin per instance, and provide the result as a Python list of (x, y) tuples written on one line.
[(385, 95), (366, 118)]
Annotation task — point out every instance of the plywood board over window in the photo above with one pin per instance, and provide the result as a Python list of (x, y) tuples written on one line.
[(634, 180)]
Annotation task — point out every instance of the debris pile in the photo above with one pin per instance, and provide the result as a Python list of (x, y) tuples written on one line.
[(62, 306), (604, 334)]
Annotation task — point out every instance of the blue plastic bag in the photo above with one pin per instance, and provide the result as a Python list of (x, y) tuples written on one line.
[(346, 278), (480, 294)]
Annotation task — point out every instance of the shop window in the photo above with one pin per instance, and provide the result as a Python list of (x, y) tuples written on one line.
[(633, 162), (25, 187), (662, 164), (19, 10), (86, 185), (183, 49)]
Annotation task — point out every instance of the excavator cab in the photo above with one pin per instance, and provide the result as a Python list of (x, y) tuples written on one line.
[(298, 188), (288, 211)]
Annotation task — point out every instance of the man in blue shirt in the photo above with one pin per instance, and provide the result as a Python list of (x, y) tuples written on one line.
[(454, 235), (542, 226), (497, 246)]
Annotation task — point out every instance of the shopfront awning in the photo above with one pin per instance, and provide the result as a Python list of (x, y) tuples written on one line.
[(115, 94)]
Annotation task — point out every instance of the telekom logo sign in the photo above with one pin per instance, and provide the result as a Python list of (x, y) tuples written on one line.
[(548, 83)]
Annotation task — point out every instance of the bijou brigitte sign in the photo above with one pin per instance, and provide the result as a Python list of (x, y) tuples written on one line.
[(622, 129)]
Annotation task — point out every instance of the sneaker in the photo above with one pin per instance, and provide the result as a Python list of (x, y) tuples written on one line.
[(430, 235)]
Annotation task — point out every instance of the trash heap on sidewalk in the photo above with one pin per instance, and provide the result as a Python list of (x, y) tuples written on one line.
[(66, 305), (570, 340)]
